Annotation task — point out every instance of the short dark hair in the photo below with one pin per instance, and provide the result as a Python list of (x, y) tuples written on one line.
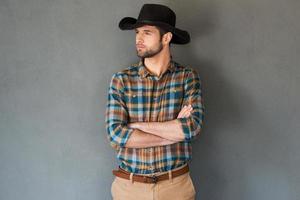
[(161, 30)]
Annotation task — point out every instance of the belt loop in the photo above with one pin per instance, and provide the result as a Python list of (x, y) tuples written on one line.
[(170, 176), (131, 177)]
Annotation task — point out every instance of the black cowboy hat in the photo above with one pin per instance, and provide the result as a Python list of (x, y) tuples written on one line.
[(157, 15)]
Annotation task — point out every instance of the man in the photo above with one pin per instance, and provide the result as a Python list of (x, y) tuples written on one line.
[(154, 110)]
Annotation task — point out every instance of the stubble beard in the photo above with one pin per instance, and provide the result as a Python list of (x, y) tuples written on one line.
[(150, 52)]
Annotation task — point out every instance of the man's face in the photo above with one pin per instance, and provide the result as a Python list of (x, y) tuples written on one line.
[(148, 41)]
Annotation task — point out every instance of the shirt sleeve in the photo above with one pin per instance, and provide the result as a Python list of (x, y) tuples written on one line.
[(193, 124), (116, 116)]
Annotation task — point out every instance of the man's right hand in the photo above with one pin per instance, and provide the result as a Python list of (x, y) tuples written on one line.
[(185, 111)]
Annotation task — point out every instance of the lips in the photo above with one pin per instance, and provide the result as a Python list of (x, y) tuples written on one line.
[(140, 46)]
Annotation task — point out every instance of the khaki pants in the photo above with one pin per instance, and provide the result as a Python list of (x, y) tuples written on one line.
[(178, 188)]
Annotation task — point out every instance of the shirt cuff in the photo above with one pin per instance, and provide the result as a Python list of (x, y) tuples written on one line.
[(185, 128), (126, 137)]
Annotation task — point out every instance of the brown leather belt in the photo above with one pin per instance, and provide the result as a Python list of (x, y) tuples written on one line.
[(150, 179)]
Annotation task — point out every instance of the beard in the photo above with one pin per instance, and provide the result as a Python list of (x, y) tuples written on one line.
[(149, 53)]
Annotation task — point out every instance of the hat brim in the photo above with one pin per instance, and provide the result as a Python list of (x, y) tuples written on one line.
[(179, 36)]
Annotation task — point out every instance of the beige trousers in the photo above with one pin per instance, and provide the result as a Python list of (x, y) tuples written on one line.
[(178, 188)]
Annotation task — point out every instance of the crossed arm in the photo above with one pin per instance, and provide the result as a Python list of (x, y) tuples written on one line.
[(148, 134), (185, 127)]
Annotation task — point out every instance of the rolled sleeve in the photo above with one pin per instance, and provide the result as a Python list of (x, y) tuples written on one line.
[(116, 117), (193, 124)]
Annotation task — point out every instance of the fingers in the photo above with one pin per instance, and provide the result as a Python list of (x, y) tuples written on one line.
[(185, 111), (188, 110)]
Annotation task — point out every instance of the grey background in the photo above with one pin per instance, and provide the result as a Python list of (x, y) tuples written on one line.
[(57, 58)]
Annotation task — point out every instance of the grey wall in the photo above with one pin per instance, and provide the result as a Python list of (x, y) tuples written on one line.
[(57, 58)]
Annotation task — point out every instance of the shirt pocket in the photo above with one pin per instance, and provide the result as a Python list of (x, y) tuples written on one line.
[(176, 98), (135, 105), (172, 102)]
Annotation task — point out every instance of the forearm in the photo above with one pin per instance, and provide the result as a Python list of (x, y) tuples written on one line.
[(170, 130), (141, 139)]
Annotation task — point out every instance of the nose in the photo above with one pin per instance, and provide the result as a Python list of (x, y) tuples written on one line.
[(138, 38)]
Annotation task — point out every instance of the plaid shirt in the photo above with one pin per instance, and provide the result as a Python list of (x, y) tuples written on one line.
[(135, 95)]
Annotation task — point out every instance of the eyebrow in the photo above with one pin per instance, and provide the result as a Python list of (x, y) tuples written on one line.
[(145, 30)]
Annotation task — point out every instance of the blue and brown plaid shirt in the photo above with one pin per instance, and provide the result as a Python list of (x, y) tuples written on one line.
[(136, 95)]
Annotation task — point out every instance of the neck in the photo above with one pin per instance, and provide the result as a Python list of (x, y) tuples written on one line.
[(159, 63)]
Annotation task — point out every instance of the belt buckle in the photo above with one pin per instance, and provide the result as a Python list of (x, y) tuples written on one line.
[(154, 179)]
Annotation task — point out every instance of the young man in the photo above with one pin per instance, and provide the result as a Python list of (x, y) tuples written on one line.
[(154, 110)]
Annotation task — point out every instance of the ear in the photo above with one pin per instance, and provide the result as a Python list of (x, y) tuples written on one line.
[(167, 37)]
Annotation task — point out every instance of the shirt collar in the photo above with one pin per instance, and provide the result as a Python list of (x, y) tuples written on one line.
[(143, 72)]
